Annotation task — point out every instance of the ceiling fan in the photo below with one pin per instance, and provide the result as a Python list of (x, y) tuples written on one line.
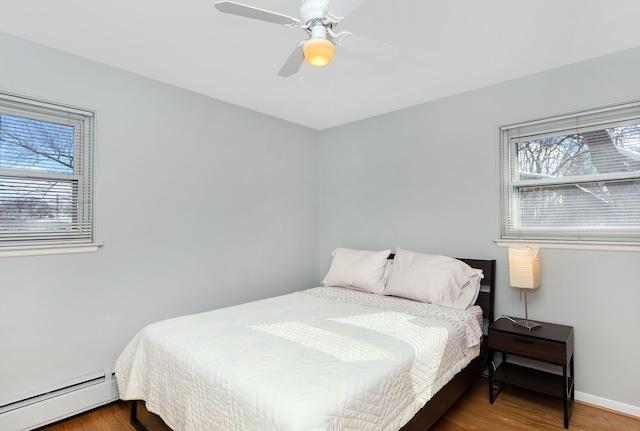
[(319, 19)]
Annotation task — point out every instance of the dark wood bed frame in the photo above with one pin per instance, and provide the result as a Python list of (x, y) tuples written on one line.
[(449, 394)]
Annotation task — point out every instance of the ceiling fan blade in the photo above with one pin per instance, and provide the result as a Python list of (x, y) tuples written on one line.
[(293, 63), (256, 13), (370, 48), (342, 8)]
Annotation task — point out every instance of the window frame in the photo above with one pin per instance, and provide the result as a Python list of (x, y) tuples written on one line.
[(511, 231), (81, 237)]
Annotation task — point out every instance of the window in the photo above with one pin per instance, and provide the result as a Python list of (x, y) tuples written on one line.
[(573, 178), (45, 173)]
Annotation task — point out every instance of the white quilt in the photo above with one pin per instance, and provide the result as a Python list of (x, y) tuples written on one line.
[(312, 360)]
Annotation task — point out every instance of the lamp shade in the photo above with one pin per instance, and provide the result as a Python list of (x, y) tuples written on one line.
[(318, 51), (524, 267)]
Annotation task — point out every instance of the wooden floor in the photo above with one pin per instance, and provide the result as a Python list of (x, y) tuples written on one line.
[(514, 410)]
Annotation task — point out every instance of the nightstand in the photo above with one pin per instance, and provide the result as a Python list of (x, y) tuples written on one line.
[(551, 344)]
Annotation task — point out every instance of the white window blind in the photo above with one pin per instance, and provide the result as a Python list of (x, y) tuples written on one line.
[(46, 156), (573, 177)]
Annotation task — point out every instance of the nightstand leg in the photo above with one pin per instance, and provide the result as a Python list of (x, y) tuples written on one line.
[(573, 385), (565, 394), (569, 393)]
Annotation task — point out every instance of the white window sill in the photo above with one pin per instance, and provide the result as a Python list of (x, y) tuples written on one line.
[(41, 250), (572, 245)]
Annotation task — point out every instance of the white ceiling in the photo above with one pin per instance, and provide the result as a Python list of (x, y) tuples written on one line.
[(447, 47)]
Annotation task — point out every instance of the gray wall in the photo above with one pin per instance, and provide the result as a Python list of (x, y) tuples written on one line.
[(201, 204), (427, 179)]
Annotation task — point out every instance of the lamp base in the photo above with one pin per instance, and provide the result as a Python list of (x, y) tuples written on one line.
[(529, 324)]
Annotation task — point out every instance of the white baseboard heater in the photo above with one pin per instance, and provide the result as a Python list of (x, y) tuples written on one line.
[(63, 401)]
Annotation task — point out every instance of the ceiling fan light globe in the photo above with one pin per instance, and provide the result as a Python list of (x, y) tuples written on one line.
[(318, 52)]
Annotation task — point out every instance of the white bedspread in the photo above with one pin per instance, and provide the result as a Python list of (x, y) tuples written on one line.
[(313, 360)]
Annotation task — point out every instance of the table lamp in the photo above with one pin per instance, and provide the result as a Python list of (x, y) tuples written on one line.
[(524, 273)]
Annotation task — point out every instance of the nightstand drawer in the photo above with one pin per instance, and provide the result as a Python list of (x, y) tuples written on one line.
[(531, 347)]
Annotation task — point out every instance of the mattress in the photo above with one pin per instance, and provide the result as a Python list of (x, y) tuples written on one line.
[(321, 359)]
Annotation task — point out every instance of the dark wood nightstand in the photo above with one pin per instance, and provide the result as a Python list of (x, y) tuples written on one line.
[(551, 344)]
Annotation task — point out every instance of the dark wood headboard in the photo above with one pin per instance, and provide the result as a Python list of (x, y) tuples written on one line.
[(487, 285)]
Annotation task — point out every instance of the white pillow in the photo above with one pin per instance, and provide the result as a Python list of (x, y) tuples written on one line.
[(357, 269), (435, 279)]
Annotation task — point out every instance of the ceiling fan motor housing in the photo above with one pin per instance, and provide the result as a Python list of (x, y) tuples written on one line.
[(312, 9)]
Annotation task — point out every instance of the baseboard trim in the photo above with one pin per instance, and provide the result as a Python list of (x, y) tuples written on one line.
[(604, 403), (59, 407)]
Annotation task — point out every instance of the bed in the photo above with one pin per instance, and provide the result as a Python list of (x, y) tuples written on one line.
[(326, 358)]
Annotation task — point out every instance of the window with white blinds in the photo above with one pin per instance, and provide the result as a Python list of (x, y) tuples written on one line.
[(46, 153), (574, 177)]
